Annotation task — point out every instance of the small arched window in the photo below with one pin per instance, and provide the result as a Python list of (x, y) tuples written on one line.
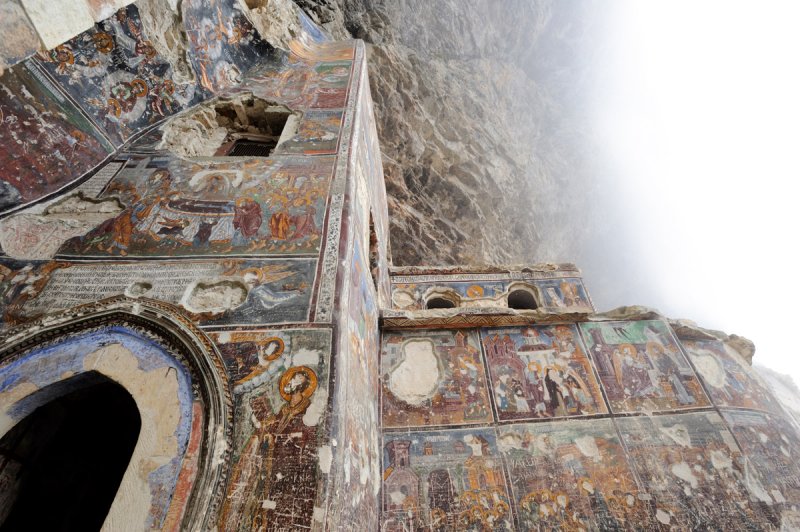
[(521, 300), (439, 302)]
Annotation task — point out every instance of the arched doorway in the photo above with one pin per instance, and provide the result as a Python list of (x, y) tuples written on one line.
[(173, 374), (63, 463)]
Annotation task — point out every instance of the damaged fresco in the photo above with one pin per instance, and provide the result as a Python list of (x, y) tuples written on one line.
[(641, 367), (690, 465), (234, 291), (558, 295), (344, 402), (729, 380), (280, 386), (540, 372), (160, 383), (117, 77), (451, 480), (572, 476), (433, 378), (175, 207), (44, 141)]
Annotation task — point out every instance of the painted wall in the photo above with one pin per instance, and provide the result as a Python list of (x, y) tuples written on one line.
[(270, 257), (594, 425)]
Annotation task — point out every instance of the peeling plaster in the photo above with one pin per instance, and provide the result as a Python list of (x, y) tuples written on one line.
[(416, 378), (31, 236)]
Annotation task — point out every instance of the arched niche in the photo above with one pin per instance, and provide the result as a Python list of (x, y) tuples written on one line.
[(441, 298), (174, 374), (523, 296)]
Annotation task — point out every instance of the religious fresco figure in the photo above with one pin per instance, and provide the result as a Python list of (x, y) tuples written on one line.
[(278, 462)]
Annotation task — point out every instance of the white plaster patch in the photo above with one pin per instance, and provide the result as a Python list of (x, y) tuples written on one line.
[(709, 368), (662, 516), (224, 337), (269, 505), (508, 441), (397, 497), (588, 447), (402, 299), (317, 407), (417, 376), (306, 357), (319, 514), (325, 458), (214, 296), (720, 460), (684, 472), (679, 434)]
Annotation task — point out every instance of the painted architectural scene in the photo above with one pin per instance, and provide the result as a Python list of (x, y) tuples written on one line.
[(572, 476), (431, 378), (451, 480), (174, 207), (691, 466), (729, 380), (641, 367), (540, 372), (280, 386)]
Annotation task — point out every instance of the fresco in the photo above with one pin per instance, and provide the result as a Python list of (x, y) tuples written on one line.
[(564, 295), (176, 207), (729, 380), (447, 480), (223, 45), (280, 385), (689, 464), (276, 291), (317, 134), (540, 372), (556, 295), (115, 74), (433, 378), (641, 367), (79, 353), (771, 450), (572, 476), (358, 468), (44, 141), (301, 83)]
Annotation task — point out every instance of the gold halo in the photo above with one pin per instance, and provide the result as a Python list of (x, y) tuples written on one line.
[(278, 352), (475, 291), (291, 372)]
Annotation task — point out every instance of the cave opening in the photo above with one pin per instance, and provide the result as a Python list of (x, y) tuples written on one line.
[(61, 466)]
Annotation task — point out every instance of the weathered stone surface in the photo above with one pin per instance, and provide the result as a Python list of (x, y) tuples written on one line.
[(20, 39), (162, 21), (57, 22), (475, 151)]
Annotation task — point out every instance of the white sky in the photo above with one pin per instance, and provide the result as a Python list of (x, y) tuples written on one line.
[(698, 108)]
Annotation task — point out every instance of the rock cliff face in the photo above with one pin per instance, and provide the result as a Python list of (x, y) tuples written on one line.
[(479, 152)]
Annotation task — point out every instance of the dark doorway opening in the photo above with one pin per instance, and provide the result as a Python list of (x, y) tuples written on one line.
[(521, 300), (439, 302), (62, 464)]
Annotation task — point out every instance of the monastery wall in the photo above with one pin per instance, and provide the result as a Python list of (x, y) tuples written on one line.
[(286, 375)]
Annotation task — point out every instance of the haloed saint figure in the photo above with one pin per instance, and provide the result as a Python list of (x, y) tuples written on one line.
[(273, 484)]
